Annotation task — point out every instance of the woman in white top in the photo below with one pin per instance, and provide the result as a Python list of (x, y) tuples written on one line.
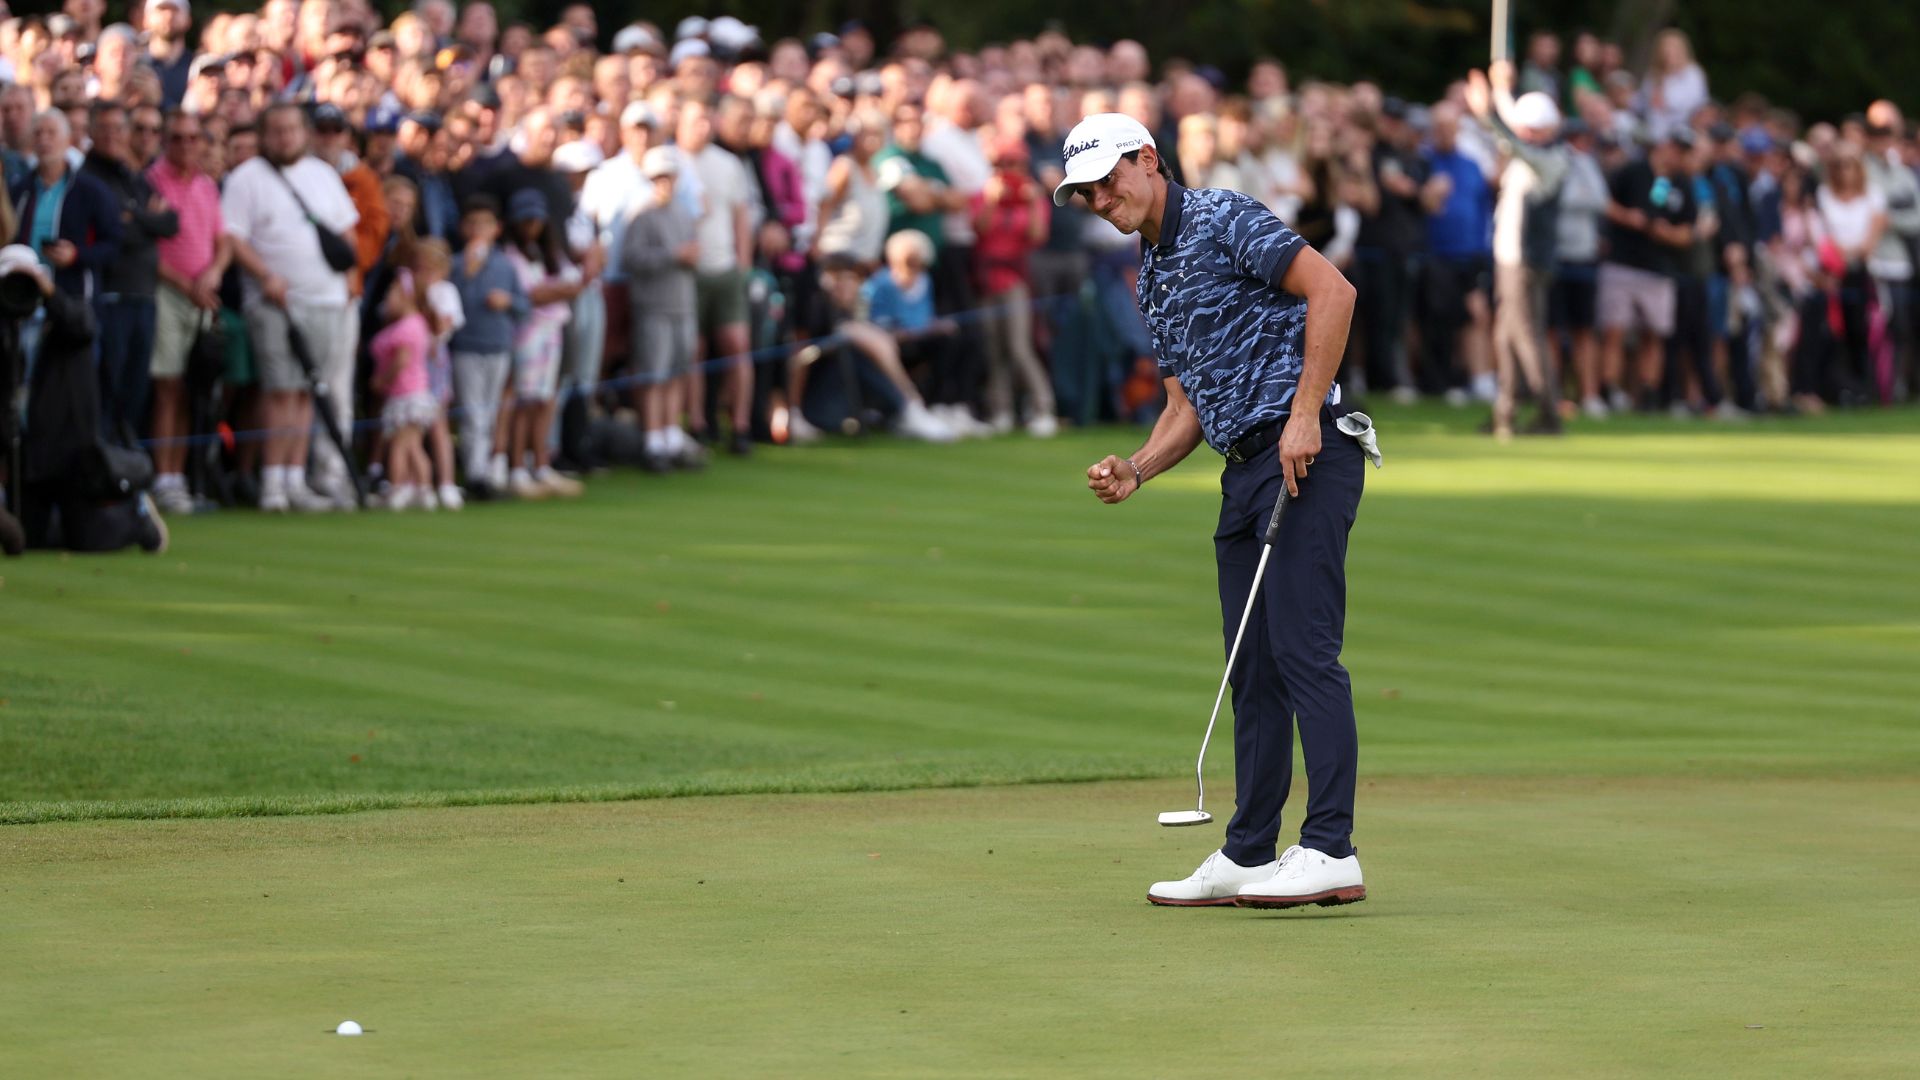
[(853, 214), (1675, 87), (1849, 220)]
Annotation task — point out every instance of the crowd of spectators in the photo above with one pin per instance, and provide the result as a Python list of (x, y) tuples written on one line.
[(491, 259)]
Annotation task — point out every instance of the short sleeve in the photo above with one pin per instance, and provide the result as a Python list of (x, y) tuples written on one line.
[(1259, 244), (236, 204)]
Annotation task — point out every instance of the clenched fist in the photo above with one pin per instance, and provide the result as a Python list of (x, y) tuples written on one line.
[(1112, 480)]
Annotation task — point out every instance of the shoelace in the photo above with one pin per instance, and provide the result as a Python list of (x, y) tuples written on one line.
[(1292, 858)]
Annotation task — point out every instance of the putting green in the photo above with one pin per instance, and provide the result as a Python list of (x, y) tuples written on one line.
[(1516, 928)]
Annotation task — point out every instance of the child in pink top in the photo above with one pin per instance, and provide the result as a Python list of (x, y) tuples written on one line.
[(400, 355)]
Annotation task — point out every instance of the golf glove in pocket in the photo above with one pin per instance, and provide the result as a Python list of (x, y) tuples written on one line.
[(1360, 426)]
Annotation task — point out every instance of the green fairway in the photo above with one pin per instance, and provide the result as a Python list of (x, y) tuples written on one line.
[(1700, 927), (869, 616), (1640, 787)]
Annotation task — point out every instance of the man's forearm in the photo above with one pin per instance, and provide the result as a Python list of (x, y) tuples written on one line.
[(250, 260), (1174, 436), (1329, 316)]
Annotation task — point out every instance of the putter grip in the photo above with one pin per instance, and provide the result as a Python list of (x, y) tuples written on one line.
[(1279, 511)]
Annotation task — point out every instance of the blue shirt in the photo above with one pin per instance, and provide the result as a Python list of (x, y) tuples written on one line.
[(487, 330), (1219, 320), (893, 308), (1464, 226), (45, 227)]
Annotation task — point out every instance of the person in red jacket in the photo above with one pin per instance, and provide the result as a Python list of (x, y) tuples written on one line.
[(1010, 217)]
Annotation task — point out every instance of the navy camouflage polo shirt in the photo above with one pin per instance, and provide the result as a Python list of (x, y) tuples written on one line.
[(1220, 322)]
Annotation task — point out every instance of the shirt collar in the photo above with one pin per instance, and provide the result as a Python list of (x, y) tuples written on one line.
[(1170, 217)]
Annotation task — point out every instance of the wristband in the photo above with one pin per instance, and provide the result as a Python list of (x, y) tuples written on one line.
[(1139, 478)]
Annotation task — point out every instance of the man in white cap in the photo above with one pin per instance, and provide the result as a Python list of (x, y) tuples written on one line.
[(1249, 324), (614, 193), (1525, 222)]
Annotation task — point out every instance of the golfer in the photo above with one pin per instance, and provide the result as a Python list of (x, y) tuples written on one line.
[(1249, 324)]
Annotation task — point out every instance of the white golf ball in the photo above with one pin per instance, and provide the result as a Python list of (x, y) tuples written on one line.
[(347, 1027)]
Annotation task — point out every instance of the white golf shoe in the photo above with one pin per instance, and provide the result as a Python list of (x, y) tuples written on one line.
[(1215, 884), (1305, 876)]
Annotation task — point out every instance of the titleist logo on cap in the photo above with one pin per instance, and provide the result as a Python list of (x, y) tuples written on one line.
[(1079, 148)]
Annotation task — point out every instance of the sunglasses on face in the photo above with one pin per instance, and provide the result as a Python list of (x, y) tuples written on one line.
[(146, 129), (184, 136)]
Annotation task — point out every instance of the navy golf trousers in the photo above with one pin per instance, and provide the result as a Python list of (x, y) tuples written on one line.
[(1289, 662)]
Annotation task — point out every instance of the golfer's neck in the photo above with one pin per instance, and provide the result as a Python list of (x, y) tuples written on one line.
[(1150, 225)]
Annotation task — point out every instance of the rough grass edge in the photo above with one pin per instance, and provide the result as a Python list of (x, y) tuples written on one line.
[(236, 806)]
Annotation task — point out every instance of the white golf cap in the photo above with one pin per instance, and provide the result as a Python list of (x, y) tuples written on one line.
[(635, 38), (1536, 110), (155, 5), (687, 50), (639, 114), (692, 26), (659, 161), (577, 157), (17, 257), (1095, 146)]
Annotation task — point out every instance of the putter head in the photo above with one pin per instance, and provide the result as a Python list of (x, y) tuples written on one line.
[(1174, 818)]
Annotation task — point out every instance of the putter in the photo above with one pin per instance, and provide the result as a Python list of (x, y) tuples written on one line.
[(1198, 815)]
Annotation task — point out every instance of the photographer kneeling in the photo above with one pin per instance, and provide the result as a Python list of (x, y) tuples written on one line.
[(75, 491)]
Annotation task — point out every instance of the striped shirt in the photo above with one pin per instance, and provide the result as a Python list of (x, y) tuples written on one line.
[(196, 200)]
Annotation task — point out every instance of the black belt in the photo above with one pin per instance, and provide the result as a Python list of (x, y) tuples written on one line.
[(1256, 442), (1261, 439)]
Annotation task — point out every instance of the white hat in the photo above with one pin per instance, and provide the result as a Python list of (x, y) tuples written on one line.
[(692, 26), (1094, 147), (155, 5), (659, 161), (1536, 110), (639, 114), (634, 38), (17, 257), (688, 49), (730, 33), (577, 157)]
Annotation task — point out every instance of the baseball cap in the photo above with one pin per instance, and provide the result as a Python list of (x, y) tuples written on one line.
[(1755, 140), (60, 24), (730, 33), (1536, 110), (634, 38), (181, 5), (426, 118), (328, 117), (692, 26), (688, 49), (383, 119), (577, 157), (526, 205), (205, 62), (659, 161), (639, 114), (1095, 146), (17, 257)]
